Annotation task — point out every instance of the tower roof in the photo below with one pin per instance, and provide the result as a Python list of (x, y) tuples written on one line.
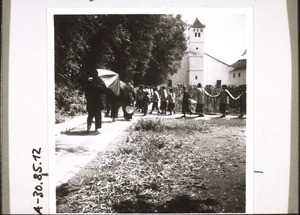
[(198, 24)]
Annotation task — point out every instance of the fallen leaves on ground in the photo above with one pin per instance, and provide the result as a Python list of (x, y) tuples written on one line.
[(166, 165)]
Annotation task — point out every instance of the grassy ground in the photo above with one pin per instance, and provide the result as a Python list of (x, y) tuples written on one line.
[(164, 165)]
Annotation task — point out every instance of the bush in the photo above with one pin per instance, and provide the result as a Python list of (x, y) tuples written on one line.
[(148, 125), (159, 125), (68, 103)]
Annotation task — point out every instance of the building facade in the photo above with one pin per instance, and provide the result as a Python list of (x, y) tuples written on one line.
[(200, 67), (237, 76)]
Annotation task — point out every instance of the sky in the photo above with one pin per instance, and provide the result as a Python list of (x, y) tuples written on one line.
[(225, 32)]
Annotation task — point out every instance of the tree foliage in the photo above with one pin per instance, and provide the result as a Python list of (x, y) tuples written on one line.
[(142, 48), (145, 48)]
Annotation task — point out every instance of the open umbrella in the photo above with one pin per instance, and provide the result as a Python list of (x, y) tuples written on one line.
[(110, 79), (124, 87)]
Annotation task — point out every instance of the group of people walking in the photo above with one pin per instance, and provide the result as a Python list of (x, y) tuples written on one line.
[(146, 96), (163, 100)]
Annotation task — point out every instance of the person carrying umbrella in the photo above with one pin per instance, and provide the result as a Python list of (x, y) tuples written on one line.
[(93, 92), (111, 81)]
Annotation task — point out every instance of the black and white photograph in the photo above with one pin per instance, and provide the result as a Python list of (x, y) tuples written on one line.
[(161, 106), (150, 111)]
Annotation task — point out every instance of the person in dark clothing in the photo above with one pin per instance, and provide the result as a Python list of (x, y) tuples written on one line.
[(127, 96), (139, 98), (242, 101), (108, 100), (145, 103), (93, 94), (223, 95), (112, 104), (163, 100), (185, 102)]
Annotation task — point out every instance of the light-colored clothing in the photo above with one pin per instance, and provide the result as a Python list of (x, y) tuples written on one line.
[(171, 102), (200, 96)]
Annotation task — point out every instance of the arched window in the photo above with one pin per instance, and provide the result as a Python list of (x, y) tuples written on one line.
[(196, 34), (199, 34)]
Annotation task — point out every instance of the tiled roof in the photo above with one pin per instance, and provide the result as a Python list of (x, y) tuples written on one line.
[(198, 24), (239, 64)]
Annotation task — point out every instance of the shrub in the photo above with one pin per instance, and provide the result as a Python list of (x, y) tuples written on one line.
[(148, 125), (159, 125), (68, 103)]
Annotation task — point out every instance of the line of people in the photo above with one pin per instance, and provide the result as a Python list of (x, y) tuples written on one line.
[(146, 96), (167, 100), (143, 97), (223, 100)]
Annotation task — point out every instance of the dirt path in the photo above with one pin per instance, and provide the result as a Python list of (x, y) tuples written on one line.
[(75, 148)]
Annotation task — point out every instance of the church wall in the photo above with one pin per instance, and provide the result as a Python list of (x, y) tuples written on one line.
[(195, 77), (215, 70)]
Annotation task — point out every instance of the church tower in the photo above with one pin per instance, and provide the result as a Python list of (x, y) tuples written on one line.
[(196, 53)]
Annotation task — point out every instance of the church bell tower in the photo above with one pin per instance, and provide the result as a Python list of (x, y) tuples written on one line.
[(196, 53)]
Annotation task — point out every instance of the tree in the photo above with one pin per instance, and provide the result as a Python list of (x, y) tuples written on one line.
[(142, 48), (170, 45)]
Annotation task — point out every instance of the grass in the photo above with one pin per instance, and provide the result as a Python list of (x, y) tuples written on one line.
[(165, 165)]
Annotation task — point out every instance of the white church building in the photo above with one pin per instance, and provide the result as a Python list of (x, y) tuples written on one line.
[(200, 67)]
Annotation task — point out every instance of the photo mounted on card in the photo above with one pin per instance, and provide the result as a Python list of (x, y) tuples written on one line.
[(150, 109)]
